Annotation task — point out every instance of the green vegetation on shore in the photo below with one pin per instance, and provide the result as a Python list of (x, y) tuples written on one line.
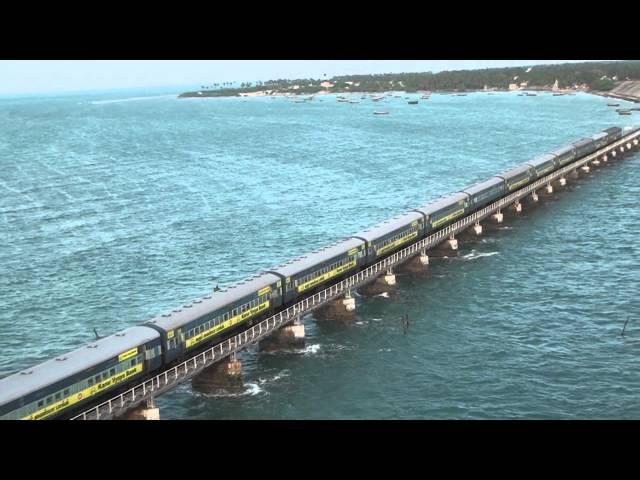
[(600, 76)]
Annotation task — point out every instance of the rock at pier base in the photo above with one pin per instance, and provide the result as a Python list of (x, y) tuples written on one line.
[(224, 376), (146, 411), (340, 309), (382, 284), (417, 264), (287, 337), (447, 248)]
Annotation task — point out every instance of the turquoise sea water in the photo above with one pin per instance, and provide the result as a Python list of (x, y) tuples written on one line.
[(116, 207)]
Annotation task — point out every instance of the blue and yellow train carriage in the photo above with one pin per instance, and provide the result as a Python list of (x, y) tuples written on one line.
[(218, 314), (613, 133), (483, 193), (387, 237), (564, 155), (584, 147), (600, 140), (443, 211), (315, 270), (518, 177), (544, 164), (62, 385)]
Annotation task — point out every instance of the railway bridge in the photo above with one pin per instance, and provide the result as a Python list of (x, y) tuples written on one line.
[(219, 359)]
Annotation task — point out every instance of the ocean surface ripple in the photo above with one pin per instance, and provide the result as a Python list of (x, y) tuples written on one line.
[(114, 209)]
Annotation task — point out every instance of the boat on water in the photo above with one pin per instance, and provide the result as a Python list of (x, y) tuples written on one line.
[(531, 94), (412, 102), (381, 113), (559, 94), (626, 112), (461, 94), (354, 101), (613, 104)]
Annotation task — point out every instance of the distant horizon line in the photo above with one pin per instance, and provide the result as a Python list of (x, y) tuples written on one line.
[(198, 84)]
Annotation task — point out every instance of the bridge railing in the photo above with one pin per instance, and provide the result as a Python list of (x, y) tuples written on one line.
[(169, 378)]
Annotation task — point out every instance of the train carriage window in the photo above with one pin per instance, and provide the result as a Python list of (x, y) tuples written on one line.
[(41, 403), (66, 392), (58, 395), (90, 382), (112, 372), (49, 400), (134, 361), (97, 378)]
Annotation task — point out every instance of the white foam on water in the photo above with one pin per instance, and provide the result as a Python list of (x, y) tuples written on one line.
[(250, 389), (383, 295), (253, 389), (275, 378), (312, 349), (473, 255)]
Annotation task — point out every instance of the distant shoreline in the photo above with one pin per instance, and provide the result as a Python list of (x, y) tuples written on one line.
[(401, 92)]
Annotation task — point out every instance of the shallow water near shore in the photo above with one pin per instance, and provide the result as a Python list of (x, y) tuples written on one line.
[(115, 208)]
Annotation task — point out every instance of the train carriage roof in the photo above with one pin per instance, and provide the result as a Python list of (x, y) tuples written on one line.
[(52, 371), (483, 185), (541, 159), (389, 226), (583, 142), (520, 169), (562, 150), (442, 203), (305, 262), (599, 136), (213, 301), (612, 130)]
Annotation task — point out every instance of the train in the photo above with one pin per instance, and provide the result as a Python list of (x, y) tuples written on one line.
[(68, 384)]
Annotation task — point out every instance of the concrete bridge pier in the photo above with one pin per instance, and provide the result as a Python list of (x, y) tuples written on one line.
[(562, 181), (613, 153), (342, 308), (447, 248), (146, 411), (574, 173), (417, 264), (224, 375), (493, 221), (516, 207), (383, 283), (534, 196), (636, 143), (288, 337), (585, 168), (472, 232)]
